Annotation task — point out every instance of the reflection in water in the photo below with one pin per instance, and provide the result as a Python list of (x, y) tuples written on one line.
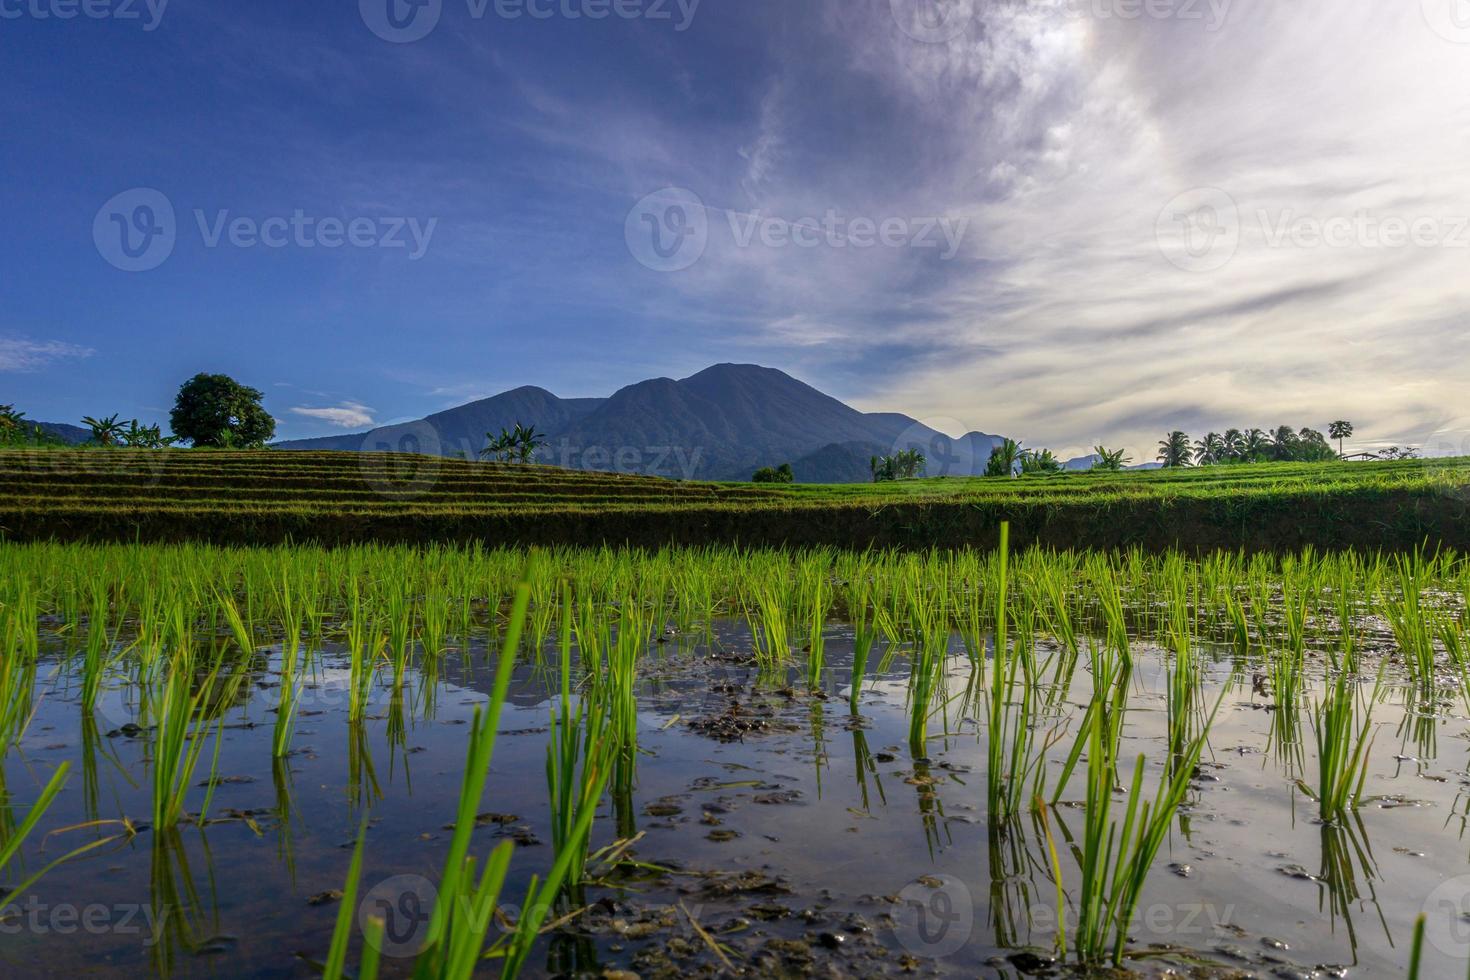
[(362, 779), (186, 921), (1347, 857)]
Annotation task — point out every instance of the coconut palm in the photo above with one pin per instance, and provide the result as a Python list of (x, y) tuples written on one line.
[(1340, 430), (1283, 443), (1210, 449), (1174, 450), (1003, 458), (1254, 446), (1234, 441)]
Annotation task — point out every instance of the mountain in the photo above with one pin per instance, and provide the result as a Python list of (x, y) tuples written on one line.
[(72, 435), (462, 429), (720, 424)]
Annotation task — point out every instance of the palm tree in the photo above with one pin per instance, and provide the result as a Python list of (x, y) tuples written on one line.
[(1340, 430), (501, 448), (527, 440), (1174, 450), (105, 432), (1110, 460), (1234, 441), (1210, 449), (1253, 446), (1283, 443), (1003, 458)]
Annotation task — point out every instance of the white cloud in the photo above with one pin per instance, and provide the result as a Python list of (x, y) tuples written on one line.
[(348, 415), (18, 355)]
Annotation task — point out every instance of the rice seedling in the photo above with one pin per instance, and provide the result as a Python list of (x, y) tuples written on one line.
[(1114, 860), (11, 841), (1343, 725)]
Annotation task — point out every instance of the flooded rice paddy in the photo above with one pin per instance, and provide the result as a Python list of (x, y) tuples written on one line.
[(764, 820)]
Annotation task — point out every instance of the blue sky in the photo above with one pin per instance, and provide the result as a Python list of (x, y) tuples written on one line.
[(989, 198)]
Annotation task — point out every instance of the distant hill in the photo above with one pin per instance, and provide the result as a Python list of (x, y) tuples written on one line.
[(72, 435), (720, 424)]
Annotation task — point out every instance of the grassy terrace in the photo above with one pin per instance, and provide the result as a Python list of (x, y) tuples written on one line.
[(263, 497)]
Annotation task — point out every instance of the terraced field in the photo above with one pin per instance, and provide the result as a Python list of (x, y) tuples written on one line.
[(336, 498)]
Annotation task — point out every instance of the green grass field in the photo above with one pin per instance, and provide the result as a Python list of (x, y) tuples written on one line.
[(334, 498)]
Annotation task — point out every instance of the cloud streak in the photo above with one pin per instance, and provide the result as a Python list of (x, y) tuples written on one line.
[(20, 355), (347, 415)]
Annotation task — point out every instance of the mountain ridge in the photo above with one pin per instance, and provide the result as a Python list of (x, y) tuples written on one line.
[(721, 423)]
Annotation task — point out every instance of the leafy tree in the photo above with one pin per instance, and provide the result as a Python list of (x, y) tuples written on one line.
[(1283, 444), (1340, 430), (105, 432), (1110, 460), (1174, 449), (215, 411), (137, 436), (11, 422), (1003, 458), (904, 465), (778, 474), (1039, 461)]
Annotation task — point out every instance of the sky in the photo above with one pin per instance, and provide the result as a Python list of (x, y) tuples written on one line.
[(1068, 221)]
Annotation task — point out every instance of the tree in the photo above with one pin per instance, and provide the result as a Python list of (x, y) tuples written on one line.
[(1039, 461), (1283, 444), (1254, 446), (1003, 458), (905, 465), (1110, 460), (1210, 449), (137, 436), (513, 445), (1174, 449), (779, 474), (105, 432), (1340, 430), (1234, 441), (215, 411)]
